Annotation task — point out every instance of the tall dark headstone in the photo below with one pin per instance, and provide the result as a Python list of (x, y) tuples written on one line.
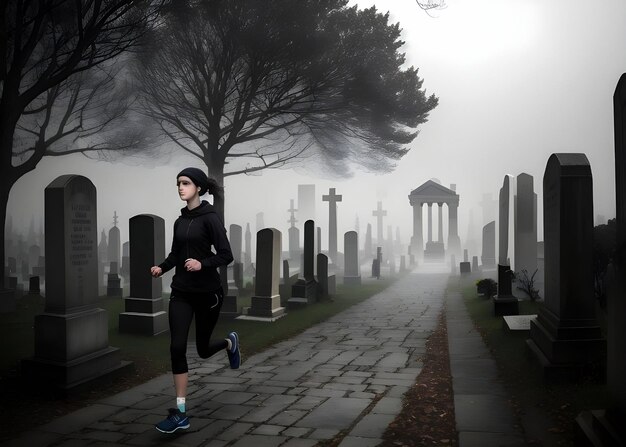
[(72, 334), (236, 268), (304, 291), (322, 276), (609, 425), (144, 313), (565, 336), (266, 300)]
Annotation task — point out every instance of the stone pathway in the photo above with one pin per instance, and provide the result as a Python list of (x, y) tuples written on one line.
[(346, 375), (483, 414)]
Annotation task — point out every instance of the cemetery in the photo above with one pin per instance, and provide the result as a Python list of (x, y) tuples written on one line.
[(379, 265)]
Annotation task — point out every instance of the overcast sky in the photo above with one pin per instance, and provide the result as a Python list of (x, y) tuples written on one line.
[(516, 81)]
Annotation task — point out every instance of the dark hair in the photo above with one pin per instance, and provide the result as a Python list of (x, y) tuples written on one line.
[(215, 189)]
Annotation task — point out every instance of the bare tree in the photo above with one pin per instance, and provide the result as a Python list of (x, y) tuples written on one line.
[(251, 85), (58, 90)]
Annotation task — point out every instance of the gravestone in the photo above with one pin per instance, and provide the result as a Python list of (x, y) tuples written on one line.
[(322, 277), (72, 334), (286, 284), (609, 424), (525, 225), (33, 286), (488, 257), (566, 336), (503, 223), (304, 291), (125, 270), (352, 274), (504, 303), (402, 264), (113, 249), (465, 255), (114, 283), (518, 322), (144, 313), (332, 198), (247, 261), (265, 304), (474, 263), (465, 268), (375, 268), (230, 306)]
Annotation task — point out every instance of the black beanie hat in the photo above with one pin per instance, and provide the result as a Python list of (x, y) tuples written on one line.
[(198, 177)]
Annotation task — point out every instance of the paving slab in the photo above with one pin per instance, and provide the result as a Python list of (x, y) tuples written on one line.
[(299, 391)]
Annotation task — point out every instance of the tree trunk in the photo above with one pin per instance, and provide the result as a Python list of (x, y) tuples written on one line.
[(5, 190)]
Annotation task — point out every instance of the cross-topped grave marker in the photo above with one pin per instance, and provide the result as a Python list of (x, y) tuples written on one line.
[(332, 200), (379, 213)]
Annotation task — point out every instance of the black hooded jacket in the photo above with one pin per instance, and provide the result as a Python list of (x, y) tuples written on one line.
[(195, 231)]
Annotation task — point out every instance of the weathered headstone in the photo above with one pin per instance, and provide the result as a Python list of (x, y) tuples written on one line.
[(332, 198), (304, 291), (115, 244), (375, 268), (114, 283), (72, 334), (525, 225), (33, 286), (351, 258), (322, 276), (566, 335), (465, 268), (474, 263), (266, 300), (488, 257), (144, 313), (504, 303)]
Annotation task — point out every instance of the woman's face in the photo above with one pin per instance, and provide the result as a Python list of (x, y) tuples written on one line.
[(186, 188)]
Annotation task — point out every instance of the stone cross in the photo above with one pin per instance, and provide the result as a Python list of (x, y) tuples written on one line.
[(292, 220), (379, 213), (332, 200)]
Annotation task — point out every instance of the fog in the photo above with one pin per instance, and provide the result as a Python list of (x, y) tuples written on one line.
[(516, 81)]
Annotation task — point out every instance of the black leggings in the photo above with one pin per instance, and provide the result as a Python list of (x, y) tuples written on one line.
[(206, 308)]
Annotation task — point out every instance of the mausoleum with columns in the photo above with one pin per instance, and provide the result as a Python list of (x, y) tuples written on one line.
[(433, 194)]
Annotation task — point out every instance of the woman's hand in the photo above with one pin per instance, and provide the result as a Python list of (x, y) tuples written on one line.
[(192, 265), (156, 271)]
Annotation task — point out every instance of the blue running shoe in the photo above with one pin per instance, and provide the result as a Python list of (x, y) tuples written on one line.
[(234, 355), (173, 422)]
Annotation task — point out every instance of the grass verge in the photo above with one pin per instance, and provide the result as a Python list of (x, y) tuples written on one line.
[(546, 410)]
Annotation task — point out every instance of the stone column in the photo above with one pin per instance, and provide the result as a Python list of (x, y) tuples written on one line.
[(566, 334), (430, 222), (418, 236), (440, 222)]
